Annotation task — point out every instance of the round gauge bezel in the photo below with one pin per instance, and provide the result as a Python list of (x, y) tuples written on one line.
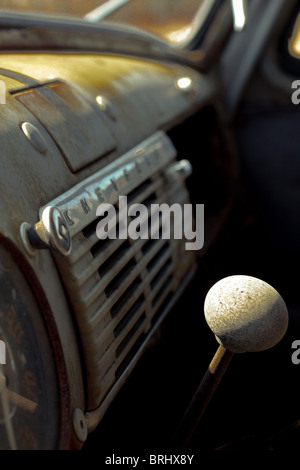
[(34, 344)]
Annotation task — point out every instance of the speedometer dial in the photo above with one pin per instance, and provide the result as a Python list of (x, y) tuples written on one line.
[(29, 404)]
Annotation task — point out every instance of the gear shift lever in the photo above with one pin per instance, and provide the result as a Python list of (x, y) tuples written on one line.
[(246, 315)]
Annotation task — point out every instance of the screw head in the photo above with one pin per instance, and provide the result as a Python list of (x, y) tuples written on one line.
[(80, 425), (35, 137)]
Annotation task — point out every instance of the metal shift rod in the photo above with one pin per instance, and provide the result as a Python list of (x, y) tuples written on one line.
[(246, 315)]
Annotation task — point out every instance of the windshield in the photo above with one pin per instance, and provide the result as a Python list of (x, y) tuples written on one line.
[(173, 20)]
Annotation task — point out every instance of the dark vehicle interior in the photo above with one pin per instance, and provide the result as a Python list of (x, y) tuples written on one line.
[(99, 97), (258, 396)]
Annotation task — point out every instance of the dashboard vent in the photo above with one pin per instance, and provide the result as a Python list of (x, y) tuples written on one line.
[(120, 288)]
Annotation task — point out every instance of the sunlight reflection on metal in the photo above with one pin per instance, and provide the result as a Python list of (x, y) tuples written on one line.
[(294, 41), (180, 34), (184, 82), (104, 10), (239, 9)]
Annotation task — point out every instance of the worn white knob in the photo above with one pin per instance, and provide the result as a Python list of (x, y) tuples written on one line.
[(245, 314)]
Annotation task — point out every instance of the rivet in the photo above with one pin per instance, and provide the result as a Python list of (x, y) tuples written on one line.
[(35, 137), (79, 424), (24, 230), (106, 107)]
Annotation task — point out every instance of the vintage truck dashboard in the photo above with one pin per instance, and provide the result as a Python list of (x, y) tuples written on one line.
[(81, 129), (103, 129)]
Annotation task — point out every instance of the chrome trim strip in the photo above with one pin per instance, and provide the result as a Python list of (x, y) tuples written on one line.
[(79, 204)]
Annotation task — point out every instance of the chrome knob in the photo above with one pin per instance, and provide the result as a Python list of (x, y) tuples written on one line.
[(50, 232)]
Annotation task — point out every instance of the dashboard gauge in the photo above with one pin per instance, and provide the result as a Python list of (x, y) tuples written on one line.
[(29, 404)]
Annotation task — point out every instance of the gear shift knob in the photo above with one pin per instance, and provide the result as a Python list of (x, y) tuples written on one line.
[(245, 314)]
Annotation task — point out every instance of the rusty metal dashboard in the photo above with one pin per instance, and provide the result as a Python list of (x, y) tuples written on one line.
[(79, 130), (134, 174)]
